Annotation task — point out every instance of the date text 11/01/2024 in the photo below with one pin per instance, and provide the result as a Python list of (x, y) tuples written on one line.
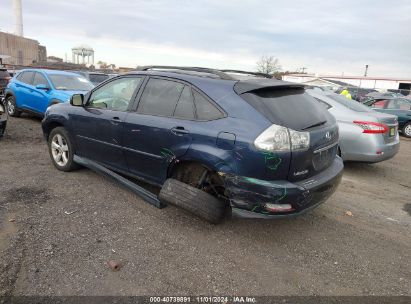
[(202, 299)]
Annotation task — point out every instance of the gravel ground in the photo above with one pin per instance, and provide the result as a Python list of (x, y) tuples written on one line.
[(357, 243)]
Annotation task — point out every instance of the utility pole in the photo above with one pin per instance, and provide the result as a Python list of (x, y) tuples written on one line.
[(366, 70)]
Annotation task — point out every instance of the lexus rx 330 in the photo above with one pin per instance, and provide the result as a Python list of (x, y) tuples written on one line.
[(264, 147)]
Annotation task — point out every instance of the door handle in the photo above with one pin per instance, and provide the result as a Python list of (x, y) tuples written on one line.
[(179, 131), (115, 120)]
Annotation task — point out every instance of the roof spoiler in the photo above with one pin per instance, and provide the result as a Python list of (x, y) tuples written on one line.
[(255, 85)]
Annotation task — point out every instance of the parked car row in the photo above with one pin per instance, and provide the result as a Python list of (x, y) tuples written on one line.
[(356, 93), (213, 140), (398, 106), (365, 135), (4, 80)]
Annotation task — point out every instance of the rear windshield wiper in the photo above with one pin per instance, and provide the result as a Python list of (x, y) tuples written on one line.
[(315, 125)]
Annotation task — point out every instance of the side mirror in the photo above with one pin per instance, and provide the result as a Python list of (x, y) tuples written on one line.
[(77, 100), (42, 87)]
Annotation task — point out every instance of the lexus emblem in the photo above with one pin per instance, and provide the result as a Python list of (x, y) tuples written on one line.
[(328, 135)]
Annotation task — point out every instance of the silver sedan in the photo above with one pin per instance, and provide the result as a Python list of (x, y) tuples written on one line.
[(365, 135)]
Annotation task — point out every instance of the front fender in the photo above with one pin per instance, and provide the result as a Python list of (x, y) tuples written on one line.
[(8, 92), (54, 101), (52, 120)]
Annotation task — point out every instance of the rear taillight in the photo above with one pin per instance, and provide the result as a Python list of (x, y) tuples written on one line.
[(281, 139), (372, 127)]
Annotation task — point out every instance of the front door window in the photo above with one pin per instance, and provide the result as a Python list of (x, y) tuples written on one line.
[(115, 95)]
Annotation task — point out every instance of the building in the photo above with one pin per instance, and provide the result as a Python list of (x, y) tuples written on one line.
[(22, 51), (54, 59), (381, 83)]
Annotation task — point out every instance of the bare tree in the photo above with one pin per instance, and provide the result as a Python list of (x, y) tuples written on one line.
[(102, 64), (268, 65)]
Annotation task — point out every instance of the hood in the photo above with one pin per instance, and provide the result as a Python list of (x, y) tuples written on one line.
[(65, 95)]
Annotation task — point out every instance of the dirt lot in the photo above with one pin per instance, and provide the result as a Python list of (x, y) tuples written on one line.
[(45, 251)]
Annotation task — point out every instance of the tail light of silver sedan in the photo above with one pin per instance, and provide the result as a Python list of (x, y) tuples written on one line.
[(372, 127)]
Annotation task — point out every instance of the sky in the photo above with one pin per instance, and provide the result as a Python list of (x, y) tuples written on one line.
[(324, 36)]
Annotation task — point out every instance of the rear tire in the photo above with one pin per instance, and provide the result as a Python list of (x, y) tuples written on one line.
[(61, 150), (406, 130), (12, 107), (194, 200)]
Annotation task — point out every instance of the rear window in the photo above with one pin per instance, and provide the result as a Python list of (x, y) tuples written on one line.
[(97, 78), (349, 103), (289, 107)]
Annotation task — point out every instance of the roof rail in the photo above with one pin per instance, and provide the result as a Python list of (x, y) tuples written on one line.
[(248, 73), (218, 73)]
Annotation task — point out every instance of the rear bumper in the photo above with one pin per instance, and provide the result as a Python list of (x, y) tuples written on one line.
[(371, 149), (248, 196)]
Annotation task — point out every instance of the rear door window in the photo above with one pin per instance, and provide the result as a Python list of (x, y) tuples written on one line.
[(40, 79), (289, 107), (205, 109), (26, 77), (185, 105), (160, 97), (399, 104)]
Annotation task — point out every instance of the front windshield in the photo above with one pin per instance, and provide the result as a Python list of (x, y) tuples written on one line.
[(351, 104), (70, 82)]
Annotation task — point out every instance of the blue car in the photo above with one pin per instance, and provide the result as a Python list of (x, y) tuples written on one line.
[(262, 148), (34, 90)]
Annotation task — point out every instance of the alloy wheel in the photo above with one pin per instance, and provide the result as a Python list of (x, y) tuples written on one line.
[(10, 107), (407, 130), (60, 150)]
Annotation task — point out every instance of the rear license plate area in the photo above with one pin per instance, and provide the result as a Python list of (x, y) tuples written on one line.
[(323, 159)]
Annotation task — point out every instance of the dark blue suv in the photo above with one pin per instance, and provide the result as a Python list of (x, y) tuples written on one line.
[(262, 147)]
